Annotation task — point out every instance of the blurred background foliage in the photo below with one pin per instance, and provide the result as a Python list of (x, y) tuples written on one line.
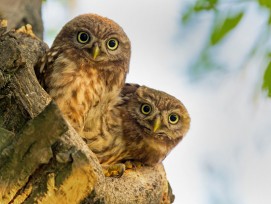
[(226, 17)]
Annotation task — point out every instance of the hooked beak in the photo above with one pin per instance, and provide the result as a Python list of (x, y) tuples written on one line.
[(95, 51), (157, 124)]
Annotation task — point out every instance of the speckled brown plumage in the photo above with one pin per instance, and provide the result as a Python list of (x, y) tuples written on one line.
[(128, 134), (82, 72)]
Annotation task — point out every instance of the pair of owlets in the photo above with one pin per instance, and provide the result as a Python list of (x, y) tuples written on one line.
[(84, 72)]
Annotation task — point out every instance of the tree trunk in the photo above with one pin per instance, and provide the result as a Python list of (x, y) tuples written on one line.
[(42, 158)]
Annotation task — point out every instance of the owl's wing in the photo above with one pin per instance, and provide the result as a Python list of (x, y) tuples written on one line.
[(40, 70), (43, 66)]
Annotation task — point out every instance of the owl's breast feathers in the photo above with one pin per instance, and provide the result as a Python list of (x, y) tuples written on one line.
[(76, 86)]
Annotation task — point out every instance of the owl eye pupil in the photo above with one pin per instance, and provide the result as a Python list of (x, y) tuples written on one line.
[(173, 118), (146, 108), (83, 37), (112, 43)]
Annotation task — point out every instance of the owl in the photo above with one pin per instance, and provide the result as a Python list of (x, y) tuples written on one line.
[(85, 67), (143, 127)]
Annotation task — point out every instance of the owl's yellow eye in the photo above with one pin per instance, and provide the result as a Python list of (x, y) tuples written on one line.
[(173, 118), (112, 44), (83, 37), (146, 109)]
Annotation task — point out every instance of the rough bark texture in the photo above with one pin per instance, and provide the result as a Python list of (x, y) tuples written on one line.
[(42, 159)]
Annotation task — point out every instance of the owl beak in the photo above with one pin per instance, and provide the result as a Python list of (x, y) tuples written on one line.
[(95, 51), (157, 124)]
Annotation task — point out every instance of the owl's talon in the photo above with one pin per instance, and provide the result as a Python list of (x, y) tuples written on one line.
[(133, 164), (128, 164), (115, 170), (138, 164)]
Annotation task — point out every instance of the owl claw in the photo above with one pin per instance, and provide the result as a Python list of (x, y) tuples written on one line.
[(133, 164), (115, 170)]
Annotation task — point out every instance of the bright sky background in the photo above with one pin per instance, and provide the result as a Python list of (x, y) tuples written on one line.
[(226, 156)]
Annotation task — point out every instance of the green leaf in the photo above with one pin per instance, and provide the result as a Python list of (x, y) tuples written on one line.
[(267, 79), (199, 6), (187, 15), (265, 3), (269, 19), (224, 26), (202, 5)]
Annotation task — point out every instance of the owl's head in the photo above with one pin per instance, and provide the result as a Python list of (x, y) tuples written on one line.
[(158, 114), (95, 39)]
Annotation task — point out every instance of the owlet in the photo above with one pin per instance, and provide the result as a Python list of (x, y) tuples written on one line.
[(86, 67), (145, 126)]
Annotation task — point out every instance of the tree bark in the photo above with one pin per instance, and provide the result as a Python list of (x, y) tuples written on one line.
[(42, 158)]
